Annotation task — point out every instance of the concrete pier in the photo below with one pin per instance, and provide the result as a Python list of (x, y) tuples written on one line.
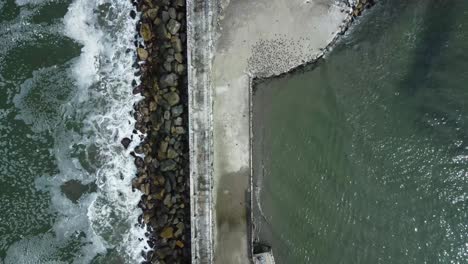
[(231, 42)]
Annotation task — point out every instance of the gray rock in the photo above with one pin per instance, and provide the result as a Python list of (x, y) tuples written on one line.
[(167, 126), (172, 13), (177, 110), (165, 16), (152, 13), (179, 58), (178, 121), (180, 69), (167, 115), (169, 80), (163, 147), (172, 154), (172, 98), (168, 200), (173, 26), (168, 165), (180, 16), (167, 66), (176, 44), (179, 130)]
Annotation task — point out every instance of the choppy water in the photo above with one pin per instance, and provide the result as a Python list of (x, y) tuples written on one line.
[(365, 157), (65, 103)]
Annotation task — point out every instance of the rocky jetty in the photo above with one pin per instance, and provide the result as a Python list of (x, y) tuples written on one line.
[(360, 5), (162, 157)]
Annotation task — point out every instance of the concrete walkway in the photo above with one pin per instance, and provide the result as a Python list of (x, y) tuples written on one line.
[(252, 38)]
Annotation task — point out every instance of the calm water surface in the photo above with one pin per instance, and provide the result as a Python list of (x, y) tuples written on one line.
[(364, 159)]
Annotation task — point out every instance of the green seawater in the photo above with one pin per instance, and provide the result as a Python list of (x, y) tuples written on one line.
[(65, 104), (363, 159)]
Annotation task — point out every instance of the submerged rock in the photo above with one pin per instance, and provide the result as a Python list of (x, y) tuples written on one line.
[(126, 142)]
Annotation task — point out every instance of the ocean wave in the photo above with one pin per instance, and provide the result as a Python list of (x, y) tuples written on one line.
[(87, 125)]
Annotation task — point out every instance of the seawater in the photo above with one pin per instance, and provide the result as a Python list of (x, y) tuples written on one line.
[(363, 158), (65, 104)]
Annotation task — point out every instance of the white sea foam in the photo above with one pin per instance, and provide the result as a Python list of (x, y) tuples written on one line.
[(87, 147)]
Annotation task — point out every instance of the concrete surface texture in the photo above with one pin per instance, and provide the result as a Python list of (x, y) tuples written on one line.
[(254, 38)]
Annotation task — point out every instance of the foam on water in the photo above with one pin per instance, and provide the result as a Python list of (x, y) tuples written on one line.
[(87, 131)]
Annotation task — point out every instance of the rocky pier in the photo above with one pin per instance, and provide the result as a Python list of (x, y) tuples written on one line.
[(162, 123)]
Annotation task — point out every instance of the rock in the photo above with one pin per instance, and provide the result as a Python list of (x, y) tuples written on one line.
[(177, 110), (163, 147), (162, 31), (167, 115), (142, 53), (167, 66), (181, 16), (151, 13), (172, 13), (168, 165), (180, 2), (180, 69), (165, 16), (167, 126), (153, 106), (172, 154), (179, 244), (180, 226), (139, 162), (133, 14), (125, 142), (157, 21), (172, 98), (179, 130), (167, 200), (145, 32), (178, 121), (145, 188), (169, 80), (159, 195), (176, 44), (160, 179), (162, 253), (180, 229), (179, 58), (173, 26), (168, 232)]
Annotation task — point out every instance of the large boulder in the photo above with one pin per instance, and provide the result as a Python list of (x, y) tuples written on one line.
[(145, 32), (173, 26), (169, 80), (172, 98)]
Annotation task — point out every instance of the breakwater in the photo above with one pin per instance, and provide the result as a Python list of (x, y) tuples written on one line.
[(161, 122)]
